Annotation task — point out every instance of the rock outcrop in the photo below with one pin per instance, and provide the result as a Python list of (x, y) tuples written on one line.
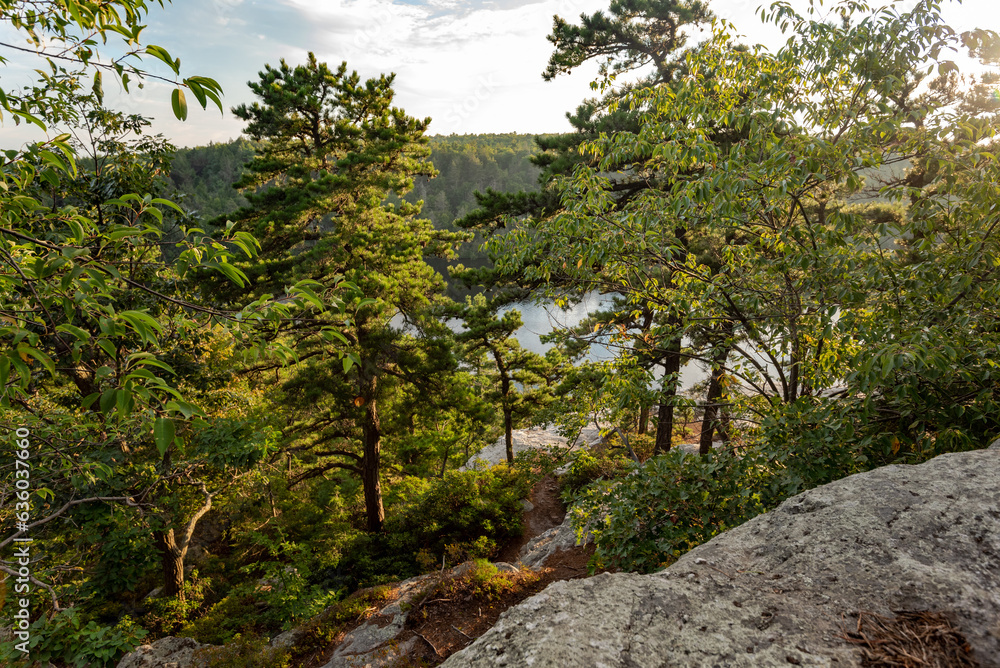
[(373, 643), (523, 440), (784, 588), (169, 651), (377, 641), (536, 553)]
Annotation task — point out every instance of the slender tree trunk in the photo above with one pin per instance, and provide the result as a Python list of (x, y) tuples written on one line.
[(724, 423), (711, 419), (444, 461), (370, 462), (173, 549), (172, 558), (710, 422), (508, 411), (638, 348), (643, 420), (665, 410), (508, 433)]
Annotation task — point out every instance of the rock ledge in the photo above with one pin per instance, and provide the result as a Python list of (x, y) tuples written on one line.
[(781, 589)]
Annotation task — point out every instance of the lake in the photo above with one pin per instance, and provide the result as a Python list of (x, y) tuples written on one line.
[(542, 318)]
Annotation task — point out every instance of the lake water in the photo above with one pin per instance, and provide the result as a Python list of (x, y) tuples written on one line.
[(543, 318)]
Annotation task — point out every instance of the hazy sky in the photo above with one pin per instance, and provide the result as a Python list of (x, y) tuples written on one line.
[(473, 66)]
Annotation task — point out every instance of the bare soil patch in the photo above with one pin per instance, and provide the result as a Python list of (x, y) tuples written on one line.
[(458, 611)]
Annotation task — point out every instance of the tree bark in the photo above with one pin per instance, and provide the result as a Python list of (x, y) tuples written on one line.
[(173, 550), (710, 422), (172, 558), (370, 462), (508, 433), (643, 420), (665, 410), (508, 411)]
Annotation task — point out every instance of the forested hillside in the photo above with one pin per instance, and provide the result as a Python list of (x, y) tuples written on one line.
[(204, 176)]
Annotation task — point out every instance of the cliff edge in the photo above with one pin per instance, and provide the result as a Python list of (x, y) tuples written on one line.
[(865, 557)]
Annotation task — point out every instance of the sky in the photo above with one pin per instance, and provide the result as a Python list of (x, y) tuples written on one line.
[(473, 66)]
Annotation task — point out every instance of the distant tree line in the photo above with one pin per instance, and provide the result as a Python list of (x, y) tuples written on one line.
[(204, 176)]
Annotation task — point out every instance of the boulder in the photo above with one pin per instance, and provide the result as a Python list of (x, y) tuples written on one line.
[(169, 652), (537, 551), (784, 588), (373, 643)]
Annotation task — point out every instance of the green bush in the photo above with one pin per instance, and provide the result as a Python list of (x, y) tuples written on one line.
[(67, 639), (677, 501), (673, 503), (278, 596), (464, 507), (167, 615), (465, 515), (589, 466)]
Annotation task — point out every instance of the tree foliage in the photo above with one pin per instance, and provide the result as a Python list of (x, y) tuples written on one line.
[(332, 151), (860, 335), (94, 318)]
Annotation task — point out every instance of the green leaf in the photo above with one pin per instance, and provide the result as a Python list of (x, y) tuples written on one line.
[(231, 272), (98, 87), (80, 334), (166, 202), (163, 55), (179, 103), (107, 400), (184, 408), (163, 434), (144, 325), (38, 355)]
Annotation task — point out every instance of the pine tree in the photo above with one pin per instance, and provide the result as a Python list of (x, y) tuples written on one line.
[(333, 149)]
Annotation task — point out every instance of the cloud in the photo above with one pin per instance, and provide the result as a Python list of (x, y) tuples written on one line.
[(472, 66)]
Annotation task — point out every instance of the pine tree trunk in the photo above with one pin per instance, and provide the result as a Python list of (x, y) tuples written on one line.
[(370, 462), (665, 410), (508, 433), (172, 559), (664, 427), (508, 411), (710, 421)]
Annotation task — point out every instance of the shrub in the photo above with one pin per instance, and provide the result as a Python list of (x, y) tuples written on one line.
[(475, 510), (589, 466), (673, 503), (167, 615), (246, 652), (279, 596), (67, 639)]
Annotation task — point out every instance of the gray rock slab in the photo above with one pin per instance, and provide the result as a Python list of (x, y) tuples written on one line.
[(778, 590), (169, 652), (537, 551), (372, 644)]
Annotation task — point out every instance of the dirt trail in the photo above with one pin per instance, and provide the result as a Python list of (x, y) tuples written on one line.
[(547, 511)]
